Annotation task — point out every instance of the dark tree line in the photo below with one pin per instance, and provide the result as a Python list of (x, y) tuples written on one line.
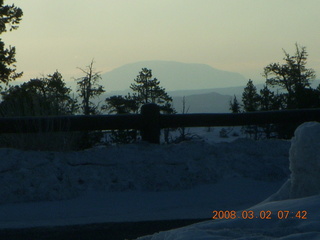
[(292, 81), (49, 95), (39, 97)]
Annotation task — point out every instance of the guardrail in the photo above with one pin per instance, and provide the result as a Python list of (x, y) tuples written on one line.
[(150, 121)]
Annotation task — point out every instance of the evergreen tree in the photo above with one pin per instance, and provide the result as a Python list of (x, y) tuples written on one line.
[(59, 95), (268, 101), (38, 97), (234, 105), (145, 90), (250, 100), (10, 16), (148, 90)]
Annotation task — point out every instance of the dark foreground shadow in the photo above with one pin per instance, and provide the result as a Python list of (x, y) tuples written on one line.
[(101, 231)]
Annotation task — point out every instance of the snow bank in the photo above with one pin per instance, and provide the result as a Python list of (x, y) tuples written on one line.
[(38, 176), (304, 158), (305, 161)]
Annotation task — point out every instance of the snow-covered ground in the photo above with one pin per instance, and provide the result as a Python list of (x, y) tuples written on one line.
[(293, 212), (290, 228), (178, 181)]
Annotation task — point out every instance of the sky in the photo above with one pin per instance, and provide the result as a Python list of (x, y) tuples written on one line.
[(235, 35)]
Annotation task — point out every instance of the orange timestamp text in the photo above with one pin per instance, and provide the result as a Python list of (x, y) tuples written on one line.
[(249, 214)]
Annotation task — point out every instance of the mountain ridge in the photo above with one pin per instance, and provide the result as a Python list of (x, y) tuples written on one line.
[(173, 76)]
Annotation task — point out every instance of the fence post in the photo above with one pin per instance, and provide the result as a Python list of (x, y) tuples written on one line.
[(150, 131)]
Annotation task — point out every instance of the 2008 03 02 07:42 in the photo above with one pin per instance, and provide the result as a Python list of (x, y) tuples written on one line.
[(249, 214)]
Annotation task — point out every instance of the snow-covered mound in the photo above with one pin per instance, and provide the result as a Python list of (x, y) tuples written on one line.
[(38, 176), (304, 158), (305, 161)]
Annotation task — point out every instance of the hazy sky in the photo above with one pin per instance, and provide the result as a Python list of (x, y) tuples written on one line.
[(235, 35)]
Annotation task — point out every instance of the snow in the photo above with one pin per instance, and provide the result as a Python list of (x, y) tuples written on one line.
[(299, 194), (305, 161), (304, 157), (258, 228), (133, 206), (191, 179), (42, 176)]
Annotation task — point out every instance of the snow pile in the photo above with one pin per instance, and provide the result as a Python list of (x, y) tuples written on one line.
[(305, 161), (304, 158), (38, 176)]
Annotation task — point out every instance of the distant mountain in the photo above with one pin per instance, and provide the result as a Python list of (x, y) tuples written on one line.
[(206, 89), (224, 91), (173, 76)]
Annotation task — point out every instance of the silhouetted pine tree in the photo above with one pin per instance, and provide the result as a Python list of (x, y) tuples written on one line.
[(148, 90), (235, 105), (268, 101), (250, 100), (39, 97)]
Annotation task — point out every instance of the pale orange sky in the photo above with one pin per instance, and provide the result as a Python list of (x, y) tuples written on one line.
[(235, 35)]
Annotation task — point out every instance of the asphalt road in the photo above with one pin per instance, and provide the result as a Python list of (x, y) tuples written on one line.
[(101, 231)]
